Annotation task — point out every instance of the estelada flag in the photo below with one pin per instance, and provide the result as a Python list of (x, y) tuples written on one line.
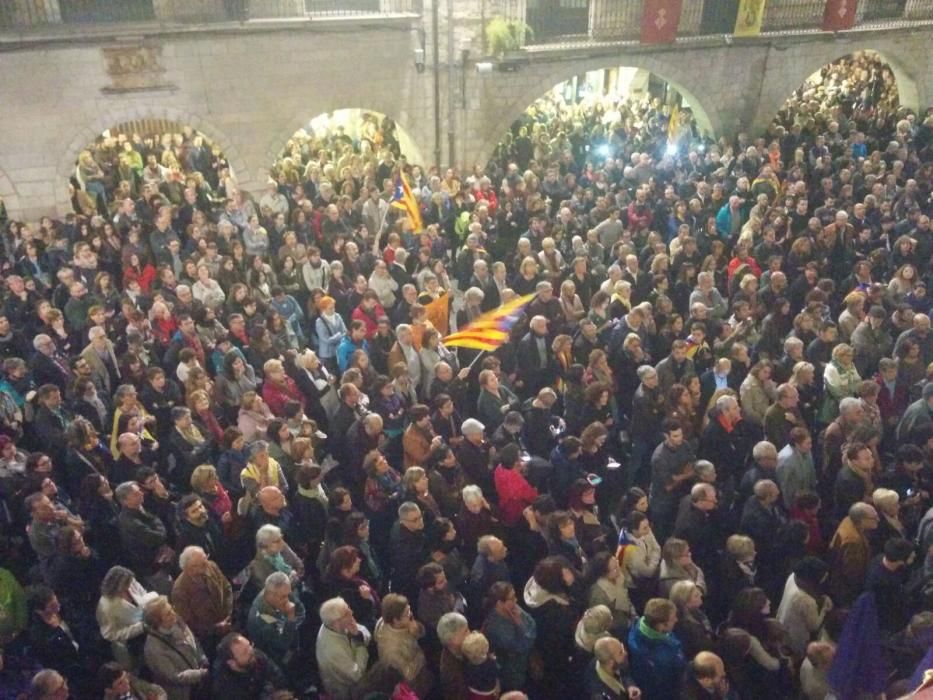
[(659, 21), (839, 15), (749, 18), (490, 330), (402, 198)]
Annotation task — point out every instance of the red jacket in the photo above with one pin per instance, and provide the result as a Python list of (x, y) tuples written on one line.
[(277, 396), (369, 319), (515, 494), (145, 276)]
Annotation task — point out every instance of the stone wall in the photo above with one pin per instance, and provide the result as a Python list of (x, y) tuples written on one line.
[(250, 87)]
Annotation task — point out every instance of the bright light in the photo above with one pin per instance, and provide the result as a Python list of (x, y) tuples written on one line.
[(701, 148), (671, 149), (604, 150)]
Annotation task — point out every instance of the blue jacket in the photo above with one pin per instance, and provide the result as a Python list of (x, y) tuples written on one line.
[(346, 348), (330, 333), (724, 221), (656, 663)]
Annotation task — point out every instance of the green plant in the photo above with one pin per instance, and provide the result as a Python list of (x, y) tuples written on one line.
[(503, 35)]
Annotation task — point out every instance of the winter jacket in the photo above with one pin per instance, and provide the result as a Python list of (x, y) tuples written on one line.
[(656, 662)]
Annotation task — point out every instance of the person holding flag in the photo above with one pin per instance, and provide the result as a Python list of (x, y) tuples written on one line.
[(404, 199)]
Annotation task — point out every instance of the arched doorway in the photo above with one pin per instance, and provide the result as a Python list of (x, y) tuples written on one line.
[(349, 137), (860, 90), (619, 105), (158, 156)]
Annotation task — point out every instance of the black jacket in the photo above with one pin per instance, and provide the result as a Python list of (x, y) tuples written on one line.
[(408, 552)]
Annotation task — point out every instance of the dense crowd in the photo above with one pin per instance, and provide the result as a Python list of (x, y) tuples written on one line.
[(238, 461)]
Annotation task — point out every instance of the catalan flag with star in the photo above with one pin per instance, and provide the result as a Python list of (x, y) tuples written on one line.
[(490, 330), (404, 199)]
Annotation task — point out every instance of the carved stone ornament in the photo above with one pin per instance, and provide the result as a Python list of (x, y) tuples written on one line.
[(134, 68)]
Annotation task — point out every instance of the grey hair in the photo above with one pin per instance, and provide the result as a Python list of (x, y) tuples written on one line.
[(407, 508), (44, 683), (792, 342), (266, 535), (763, 487), (123, 490), (450, 625), (681, 591), (257, 447), (186, 554), (117, 580), (333, 609), (645, 371), (725, 401), (40, 340), (474, 292), (848, 405), (704, 466), (472, 493), (95, 332), (484, 543), (122, 391), (861, 511), (275, 580), (764, 449)]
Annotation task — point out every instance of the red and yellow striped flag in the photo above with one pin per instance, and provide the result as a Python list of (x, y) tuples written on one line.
[(489, 331), (404, 199)]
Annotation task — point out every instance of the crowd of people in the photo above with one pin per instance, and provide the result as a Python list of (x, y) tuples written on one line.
[(237, 459)]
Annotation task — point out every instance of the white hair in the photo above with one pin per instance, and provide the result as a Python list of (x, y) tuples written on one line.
[(449, 626), (266, 535), (333, 609), (276, 580), (186, 554), (472, 494)]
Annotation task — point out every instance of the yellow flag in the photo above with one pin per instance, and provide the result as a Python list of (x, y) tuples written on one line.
[(748, 20), (438, 313)]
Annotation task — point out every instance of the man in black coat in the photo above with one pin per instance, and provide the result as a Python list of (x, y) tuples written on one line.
[(537, 367), (725, 444), (48, 365), (408, 551), (50, 423), (763, 520), (695, 525), (242, 672), (196, 527)]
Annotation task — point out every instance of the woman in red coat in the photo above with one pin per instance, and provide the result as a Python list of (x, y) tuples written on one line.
[(515, 493), (278, 388), (145, 274)]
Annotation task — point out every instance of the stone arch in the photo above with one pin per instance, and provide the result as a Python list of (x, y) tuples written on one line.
[(329, 105), (529, 90), (127, 113), (9, 195), (780, 84)]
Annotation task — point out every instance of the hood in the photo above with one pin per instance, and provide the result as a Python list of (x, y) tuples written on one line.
[(535, 596)]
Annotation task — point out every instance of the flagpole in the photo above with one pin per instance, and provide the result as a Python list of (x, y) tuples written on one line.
[(481, 353)]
